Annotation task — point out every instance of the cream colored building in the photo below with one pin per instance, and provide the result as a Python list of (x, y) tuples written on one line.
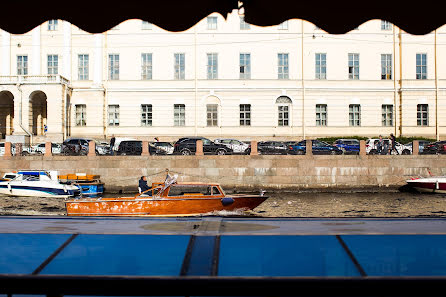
[(222, 78)]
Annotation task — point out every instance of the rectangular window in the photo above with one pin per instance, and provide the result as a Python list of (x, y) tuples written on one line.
[(52, 25), (113, 67), (244, 25), (386, 66), (283, 71), (422, 115), (83, 66), (113, 115), (245, 114), (179, 68), (212, 66), (387, 115), (146, 66), (245, 66), (354, 114), (353, 66), (146, 25), (321, 66), (212, 23), (421, 66), (53, 64), (212, 115), (179, 115), (81, 115), (283, 112), (22, 65), (283, 26), (321, 114), (146, 114), (385, 25)]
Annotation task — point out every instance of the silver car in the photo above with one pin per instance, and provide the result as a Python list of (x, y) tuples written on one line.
[(237, 146)]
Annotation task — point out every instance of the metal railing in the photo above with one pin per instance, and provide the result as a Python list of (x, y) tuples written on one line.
[(34, 79)]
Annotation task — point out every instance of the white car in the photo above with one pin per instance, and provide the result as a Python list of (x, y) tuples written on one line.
[(237, 146), (40, 148), (371, 146)]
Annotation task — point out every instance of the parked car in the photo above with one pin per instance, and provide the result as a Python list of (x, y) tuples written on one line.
[(39, 148), (438, 147), (160, 148), (237, 146), (371, 147), (347, 146), (318, 148), (272, 148), (25, 149), (130, 147), (188, 146), (80, 146), (421, 145)]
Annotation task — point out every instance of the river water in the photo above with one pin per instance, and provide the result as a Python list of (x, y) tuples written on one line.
[(286, 204)]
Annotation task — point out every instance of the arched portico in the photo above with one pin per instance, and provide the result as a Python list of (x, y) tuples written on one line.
[(37, 112), (6, 113)]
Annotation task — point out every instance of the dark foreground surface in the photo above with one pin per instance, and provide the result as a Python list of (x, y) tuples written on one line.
[(286, 204)]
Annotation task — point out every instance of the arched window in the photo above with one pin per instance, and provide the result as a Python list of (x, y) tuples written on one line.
[(283, 110)]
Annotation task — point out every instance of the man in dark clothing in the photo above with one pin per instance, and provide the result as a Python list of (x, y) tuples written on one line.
[(112, 144), (393, 139), (143, 184)]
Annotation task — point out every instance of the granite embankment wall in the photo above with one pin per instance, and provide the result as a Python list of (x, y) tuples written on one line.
[(121, 173)]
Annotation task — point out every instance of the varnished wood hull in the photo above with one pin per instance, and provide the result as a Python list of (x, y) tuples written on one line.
[(159, 207)]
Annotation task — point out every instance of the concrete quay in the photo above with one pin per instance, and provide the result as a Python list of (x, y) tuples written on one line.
[(247, 172)]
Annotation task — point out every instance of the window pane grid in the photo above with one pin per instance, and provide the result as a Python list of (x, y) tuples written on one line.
[(283, 71), (83, 66), (353, 66), (212, 23), (321, 115), (113, 115), (422, 115), (179, 68), (212, 115), (146, 114), (386, 66), (355, 115), (146, 66), (113, 67), (22, 65), (244, 25), (52, 25), (179, 115), (421, 71), (212, 66), (321, 66), (245, 66), (81, 115), (387, 115), (283, 111), (53, 64), (245, 114)]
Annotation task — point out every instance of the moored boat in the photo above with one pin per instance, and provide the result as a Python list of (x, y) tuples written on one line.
[(168, 198), (36, 183), (432, 184), (89, 184)]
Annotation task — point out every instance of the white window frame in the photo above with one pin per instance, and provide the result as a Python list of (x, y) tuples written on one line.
[(146, 66), (113, 66), (145, 25), (81, 115), (385, 25), (386, 66), (283, 71), (179, 66), (245, 66), (52, 25), (179, 115), (22, 64), (113, 115), (387, 115), (420, 66), (353, 64), (212, 23), (422, 115), (52, 64), (321, 115), (83, 68), (283, 25), (245, 114), (244, 25), (322, 59), (212, 66), (146, 115), (212, 115), (354, 116)]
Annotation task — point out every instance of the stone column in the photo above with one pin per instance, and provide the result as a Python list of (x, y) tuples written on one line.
[(254, 151), (309, 147), (145, 148), (199, 151), (362, 151), (91, 149), (48, 149), (7, 150), (415, 147)]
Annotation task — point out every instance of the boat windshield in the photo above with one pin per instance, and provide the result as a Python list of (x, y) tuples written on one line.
[(180, 190)]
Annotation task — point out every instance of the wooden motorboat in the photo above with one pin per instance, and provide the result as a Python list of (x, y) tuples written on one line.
[(432, 184), (168, 198)]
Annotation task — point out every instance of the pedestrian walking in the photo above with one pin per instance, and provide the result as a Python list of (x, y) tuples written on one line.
[(393, 140), (380, 145), (112, 144)]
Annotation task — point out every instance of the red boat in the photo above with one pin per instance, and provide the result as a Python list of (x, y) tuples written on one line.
[(166, 199), (433, 184)]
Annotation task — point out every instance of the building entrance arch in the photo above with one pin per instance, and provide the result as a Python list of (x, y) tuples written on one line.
[(37, 112), (6, 113)]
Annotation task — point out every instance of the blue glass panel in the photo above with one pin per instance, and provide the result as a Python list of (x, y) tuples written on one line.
[(399, 255), (283, 256), (121, 255), (23, 253)]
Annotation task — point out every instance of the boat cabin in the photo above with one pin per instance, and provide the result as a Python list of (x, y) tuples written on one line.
[(193, 189)]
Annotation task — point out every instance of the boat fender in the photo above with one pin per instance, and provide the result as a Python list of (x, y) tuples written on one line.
[(227, 201), (437, 186), (65, 188), (9, 187)]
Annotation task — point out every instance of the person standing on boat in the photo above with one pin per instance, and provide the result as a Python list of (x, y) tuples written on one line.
[(143, 184), (112, 144)]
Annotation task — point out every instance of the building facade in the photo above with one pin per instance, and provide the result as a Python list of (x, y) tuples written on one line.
[(222, 78)]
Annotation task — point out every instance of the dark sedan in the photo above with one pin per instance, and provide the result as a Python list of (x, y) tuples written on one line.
[(438, 147), (318, 148), (272, 148)]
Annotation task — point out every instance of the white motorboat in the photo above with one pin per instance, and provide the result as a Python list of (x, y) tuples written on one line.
[(36, 183), (432, 184)]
